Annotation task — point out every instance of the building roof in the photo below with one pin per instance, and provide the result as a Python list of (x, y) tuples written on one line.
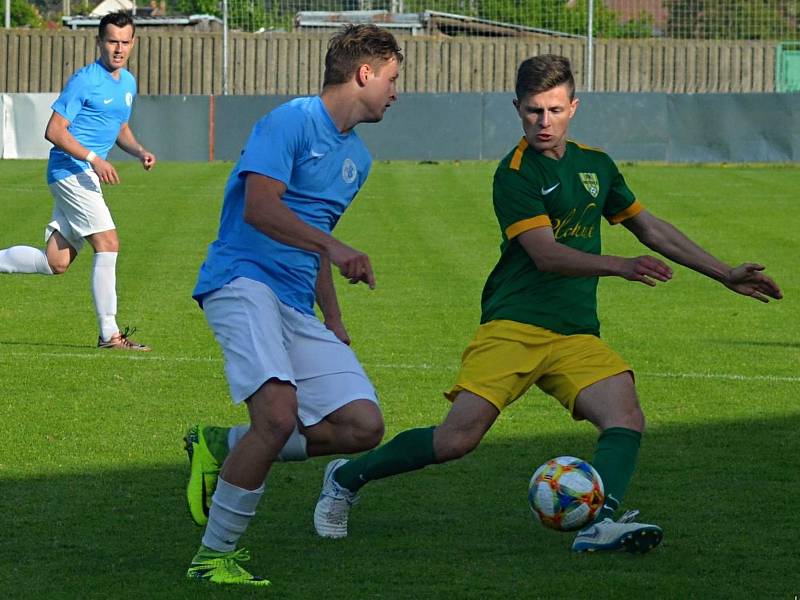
[(109, 6)]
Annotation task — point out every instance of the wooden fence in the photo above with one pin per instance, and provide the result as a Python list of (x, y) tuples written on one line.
[(170, 62)]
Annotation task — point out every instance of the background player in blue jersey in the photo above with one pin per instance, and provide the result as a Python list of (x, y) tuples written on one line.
[(89, 117), (305, 391)]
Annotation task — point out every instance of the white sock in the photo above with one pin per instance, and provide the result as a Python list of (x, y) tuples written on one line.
[(293, 450), (24, 259), (232, 508), (104, 290)]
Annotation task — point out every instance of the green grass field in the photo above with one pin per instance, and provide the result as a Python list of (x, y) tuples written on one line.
[(92, 470)]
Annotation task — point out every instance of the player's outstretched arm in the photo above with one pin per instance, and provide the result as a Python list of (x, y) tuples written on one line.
[(265, 210), (57, 134), (553, 257), (127, 141), (666, 239)]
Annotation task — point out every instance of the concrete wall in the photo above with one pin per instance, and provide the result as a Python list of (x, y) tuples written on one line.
[(644, 126)]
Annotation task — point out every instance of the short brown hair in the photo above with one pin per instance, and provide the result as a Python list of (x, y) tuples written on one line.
[(117, 19), (541, 73), (355, 45)]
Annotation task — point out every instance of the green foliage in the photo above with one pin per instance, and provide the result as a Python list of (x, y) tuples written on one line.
[(92, 470), (25, 14), (553, 15), (196, 7), (733, 19)]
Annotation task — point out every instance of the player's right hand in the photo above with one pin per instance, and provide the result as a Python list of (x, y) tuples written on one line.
[(646, 269), (105, 171), (353, 264)]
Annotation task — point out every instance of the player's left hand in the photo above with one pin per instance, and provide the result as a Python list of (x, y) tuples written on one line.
[(748, 280), (338, 329), (148, 160)]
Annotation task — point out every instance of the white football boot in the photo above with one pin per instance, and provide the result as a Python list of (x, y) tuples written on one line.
[(624, 534), (333, 506)]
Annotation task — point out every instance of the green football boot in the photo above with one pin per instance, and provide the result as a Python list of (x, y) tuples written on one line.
[(204, 471), (223, 568)]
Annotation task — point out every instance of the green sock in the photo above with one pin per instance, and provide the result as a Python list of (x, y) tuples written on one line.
[(407, 451), (217, 442), (615, 459)]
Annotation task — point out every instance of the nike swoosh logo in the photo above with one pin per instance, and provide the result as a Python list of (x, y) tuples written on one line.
[(317, 154), (108, 101), (550, 189)]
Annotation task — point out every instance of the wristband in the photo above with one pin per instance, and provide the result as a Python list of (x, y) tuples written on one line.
[(91, 156)]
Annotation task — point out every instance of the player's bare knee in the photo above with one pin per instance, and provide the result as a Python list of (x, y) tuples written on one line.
[(274, 428), (368, 434), (637, 419), (58, 267), (631, 417), (273, 412)]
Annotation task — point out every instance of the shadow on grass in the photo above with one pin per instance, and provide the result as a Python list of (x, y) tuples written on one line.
[(46, 345), (725, 494), (771, 344)]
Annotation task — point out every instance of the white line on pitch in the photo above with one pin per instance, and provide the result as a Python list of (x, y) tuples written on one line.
[(410, 367)]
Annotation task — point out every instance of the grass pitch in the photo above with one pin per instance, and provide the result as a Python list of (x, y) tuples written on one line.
[(92, 470)]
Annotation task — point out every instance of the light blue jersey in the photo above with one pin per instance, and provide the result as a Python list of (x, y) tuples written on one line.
[(323, 169), (96, 106)]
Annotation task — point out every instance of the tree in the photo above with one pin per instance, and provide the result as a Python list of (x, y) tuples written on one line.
[(195, 7), (733, 19), (566, 16), (24, 14)]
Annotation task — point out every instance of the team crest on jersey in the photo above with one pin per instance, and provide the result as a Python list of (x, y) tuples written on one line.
[(591, 183), (128, 99), (349, 171)]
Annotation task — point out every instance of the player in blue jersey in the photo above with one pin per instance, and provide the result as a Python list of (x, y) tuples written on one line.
[(305, 391), (89, 117)]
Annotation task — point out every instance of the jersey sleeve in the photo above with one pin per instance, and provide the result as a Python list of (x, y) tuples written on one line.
[(621, 203), (70, 101), (517, 204), (273, 145)]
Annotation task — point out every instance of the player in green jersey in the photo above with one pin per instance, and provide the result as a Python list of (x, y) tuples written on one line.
[(539, 313)]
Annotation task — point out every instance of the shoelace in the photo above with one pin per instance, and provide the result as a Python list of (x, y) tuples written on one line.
[(342, 501), (231, 562), (127, 332), (628, 516)]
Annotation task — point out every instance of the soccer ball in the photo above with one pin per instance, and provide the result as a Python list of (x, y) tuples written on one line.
[(565, 493)]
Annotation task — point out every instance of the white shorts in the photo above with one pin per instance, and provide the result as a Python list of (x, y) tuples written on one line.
[(262, 338), (79, 208)]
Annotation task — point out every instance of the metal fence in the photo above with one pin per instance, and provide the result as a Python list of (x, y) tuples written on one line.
[(277, 46), (705, 22), (675, 19)]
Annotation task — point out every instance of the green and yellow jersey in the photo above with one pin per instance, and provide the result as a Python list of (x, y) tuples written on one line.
[(570, 195)]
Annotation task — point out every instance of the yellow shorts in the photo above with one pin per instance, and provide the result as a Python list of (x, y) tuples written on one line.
[(505, 358)]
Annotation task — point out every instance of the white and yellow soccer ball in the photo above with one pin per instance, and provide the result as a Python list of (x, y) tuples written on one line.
[(565, 493)]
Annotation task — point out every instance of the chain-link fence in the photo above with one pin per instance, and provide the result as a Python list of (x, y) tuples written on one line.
[(676, 19)]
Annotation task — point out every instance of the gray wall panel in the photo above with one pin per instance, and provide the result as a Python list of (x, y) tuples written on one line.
[(427, 127), (172, 127), (627, 126), (641, 126), (502, 128), (27, 123), (733, 127), (234, 120)]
